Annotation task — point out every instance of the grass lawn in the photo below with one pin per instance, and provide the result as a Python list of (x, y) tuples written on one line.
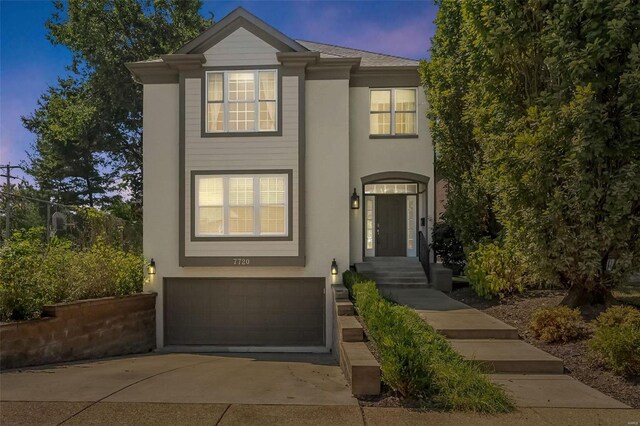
[(629, 293)]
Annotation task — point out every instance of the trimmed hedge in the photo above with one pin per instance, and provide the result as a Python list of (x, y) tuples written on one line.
[(417, 361)]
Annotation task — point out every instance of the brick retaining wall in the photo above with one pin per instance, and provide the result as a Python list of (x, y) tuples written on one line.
[(84, 329)]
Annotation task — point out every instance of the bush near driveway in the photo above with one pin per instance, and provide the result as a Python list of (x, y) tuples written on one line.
[(418, 362), (34, 274), (557, 324), (616, 341)]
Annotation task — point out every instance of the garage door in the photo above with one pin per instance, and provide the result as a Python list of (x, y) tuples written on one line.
[(244, 312)]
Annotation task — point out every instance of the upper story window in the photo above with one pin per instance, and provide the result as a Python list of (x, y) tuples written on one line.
[(241, 101), (392, 112), (241, 205)]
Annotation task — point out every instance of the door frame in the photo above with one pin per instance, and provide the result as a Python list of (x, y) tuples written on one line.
[(395, 177)]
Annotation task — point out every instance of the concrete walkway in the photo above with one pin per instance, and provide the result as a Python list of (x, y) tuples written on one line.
[(230, 389), (153, 414), (533, 377)]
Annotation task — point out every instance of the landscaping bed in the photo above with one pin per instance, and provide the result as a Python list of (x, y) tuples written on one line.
[(419, 367), (517, 310)]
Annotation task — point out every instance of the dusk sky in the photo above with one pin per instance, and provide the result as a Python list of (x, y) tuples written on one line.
[(29, 63)]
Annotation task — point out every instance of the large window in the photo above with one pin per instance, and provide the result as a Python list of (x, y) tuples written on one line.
[(392, 112), (241, 205), (241, 101)]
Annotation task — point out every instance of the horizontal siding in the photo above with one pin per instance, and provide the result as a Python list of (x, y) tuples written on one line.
[(240, 153), (241, 48)]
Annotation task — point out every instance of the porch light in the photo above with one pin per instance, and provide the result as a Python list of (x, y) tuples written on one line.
[(355, 200), (152, 267), (611, 262), (334, 267)]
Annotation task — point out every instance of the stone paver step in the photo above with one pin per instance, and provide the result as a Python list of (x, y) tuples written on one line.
[(449, 317), (552, 391), (508, 356)]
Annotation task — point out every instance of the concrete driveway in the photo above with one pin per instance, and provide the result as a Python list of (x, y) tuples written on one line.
[(160, 387), (292, 379)]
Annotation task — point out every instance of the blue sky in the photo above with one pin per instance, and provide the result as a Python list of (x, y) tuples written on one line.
[(29, 63)]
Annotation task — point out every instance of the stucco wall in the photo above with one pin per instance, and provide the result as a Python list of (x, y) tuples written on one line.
[(327, 190), (368, 156)]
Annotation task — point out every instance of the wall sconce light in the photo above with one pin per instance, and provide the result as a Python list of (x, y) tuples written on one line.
[(152, 267), (611, 262), (334, 267), (355, 200)]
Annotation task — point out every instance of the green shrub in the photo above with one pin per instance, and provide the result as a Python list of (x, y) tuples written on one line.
[(33, 274), (349, 278), (447, 246), (557, 324), (416, 361), (494, 270), (616, 341)]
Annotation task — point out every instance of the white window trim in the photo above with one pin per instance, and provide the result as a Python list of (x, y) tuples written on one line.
[(225, 101), (256, 206), (392, 119)]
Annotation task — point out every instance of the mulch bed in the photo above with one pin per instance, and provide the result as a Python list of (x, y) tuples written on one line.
[(516, 311)]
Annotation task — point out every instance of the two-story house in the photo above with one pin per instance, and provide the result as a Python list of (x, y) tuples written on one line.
[(266, 158)]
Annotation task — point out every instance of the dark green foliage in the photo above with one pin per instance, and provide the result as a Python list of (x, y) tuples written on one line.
[(89, 126), (448, 247), (418, 362), (494, 270), (616, 341), (546, 97), (33, 274)]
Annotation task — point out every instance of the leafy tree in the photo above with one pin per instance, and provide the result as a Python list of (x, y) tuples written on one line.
[(555, 105), (100, 98), (447, 77)]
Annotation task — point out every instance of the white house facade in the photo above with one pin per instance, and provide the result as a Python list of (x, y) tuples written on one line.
[(254, 144)]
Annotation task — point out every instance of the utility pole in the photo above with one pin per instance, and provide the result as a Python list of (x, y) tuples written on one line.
[(7, 192)]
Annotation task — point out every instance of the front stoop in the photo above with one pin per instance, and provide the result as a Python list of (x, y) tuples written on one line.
[(358, 364), (508, 356)]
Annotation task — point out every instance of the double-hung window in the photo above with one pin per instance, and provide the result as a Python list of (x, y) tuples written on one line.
[(241, 101), (392, 112), (241, 205)]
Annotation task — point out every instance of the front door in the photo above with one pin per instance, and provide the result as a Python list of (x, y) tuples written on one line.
[(391, 225)]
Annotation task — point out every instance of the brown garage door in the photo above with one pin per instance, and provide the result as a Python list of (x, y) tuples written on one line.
[(244, 312)]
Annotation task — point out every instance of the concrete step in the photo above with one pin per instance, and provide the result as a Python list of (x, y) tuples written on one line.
[(391, 259), (449, 317), (508, 356), (402, 273), (552, 391), (398, 280)]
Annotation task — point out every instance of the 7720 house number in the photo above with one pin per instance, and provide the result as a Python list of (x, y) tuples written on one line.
[(241, 261)]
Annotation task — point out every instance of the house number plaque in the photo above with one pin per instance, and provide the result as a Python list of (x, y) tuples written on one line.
[(241, 261)]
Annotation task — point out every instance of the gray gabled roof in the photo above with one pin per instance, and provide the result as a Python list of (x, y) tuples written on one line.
[(369, 59), (240, 17)]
